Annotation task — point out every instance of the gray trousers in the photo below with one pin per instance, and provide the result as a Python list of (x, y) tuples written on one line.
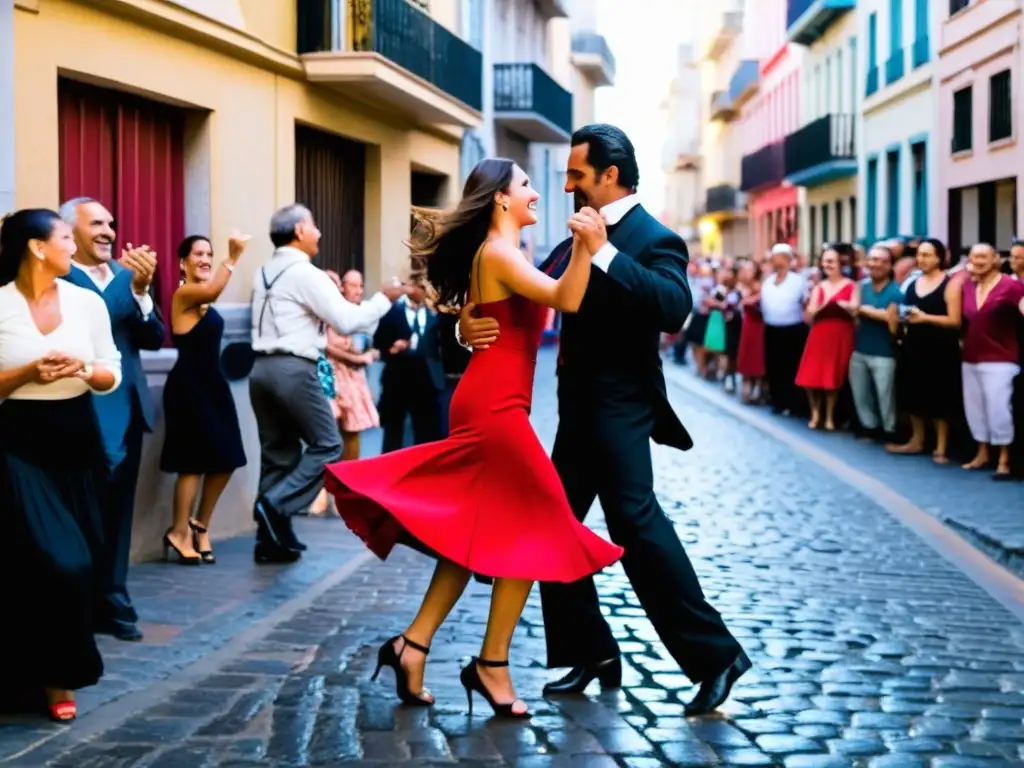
[(873, 382), (291, 412)]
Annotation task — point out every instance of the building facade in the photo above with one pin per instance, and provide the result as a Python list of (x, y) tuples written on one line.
[(897, 147), (681, 154), (772, 114), (820, 155), (730, 75), (207, 115), (542, 62), (979, 113)]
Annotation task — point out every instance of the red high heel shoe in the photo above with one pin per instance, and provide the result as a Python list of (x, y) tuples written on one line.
[(63, 711)]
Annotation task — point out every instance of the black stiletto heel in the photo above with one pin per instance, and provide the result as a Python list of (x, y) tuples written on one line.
[(387, 657), (470, 679), (183, 559), (205, 555)]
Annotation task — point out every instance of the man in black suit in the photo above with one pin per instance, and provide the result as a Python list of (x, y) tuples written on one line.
[(412, 378), (611, 402)]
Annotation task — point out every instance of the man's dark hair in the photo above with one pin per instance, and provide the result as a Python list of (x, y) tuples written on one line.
[(608, 146)]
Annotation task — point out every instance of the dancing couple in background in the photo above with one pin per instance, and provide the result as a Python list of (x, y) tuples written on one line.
[(487, 500)]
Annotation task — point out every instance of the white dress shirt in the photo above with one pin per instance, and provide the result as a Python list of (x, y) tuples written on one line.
[(782, 303), (613, 213), (300, 303), (417, 319), (84, 334), (102, 275)]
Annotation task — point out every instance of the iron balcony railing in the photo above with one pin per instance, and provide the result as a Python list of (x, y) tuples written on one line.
[(722, 198), (400, 32), (524, 87), (825, 140), (763, 168)]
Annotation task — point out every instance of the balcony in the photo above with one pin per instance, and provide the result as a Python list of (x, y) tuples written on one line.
[(764, 168), (722, 107), (529, 103), (821, 151), (744, 82), (593, 57), (723, 198), (726, 29), (390, 52), (808, 20)]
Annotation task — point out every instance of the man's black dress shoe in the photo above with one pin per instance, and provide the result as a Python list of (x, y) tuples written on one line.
[(608, 673), (714, 692), (129, 633), (275, 528)]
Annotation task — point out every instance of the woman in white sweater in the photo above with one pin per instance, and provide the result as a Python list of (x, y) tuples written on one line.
[(56, 351)]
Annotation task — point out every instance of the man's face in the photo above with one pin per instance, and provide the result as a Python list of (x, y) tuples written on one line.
[(307, 236), (584, 184), (1017, 259), (94, 234), (352, 287), (417, 293), (879, 264)]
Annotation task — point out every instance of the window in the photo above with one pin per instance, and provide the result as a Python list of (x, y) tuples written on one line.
[(955, 6), (872, 195), (817, 92), (1000, 106), (471, 153), (963, 109), (814, 232), (892, 192), (853, 74), (919, 155), (839, 221), (894, 65), (872, 70), (824, 224), (853, 217), (473, 29), (921, 40), (839, 82), (828, 87)]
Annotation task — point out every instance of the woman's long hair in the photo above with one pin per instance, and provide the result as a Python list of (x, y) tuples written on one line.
[(16, 230), (443, 244)]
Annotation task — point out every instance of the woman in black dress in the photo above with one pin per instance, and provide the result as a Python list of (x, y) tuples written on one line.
[(203, 443), (928, 370), (56, 349)]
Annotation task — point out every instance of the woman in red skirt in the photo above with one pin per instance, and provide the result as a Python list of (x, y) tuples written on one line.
[(750, 359), (826, 358)]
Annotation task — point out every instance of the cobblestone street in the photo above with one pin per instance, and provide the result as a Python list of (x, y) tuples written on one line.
[(869, 648)]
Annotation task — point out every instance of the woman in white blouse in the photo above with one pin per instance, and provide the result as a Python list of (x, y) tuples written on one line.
[(56, 350)]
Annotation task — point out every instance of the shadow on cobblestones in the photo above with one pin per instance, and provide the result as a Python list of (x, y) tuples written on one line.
[(869, 650)]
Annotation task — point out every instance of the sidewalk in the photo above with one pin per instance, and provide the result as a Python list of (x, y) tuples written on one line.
[(988, 514)]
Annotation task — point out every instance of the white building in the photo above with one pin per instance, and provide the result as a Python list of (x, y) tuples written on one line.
[(821, 155), (896, 130), (542, 61), (681, 156)]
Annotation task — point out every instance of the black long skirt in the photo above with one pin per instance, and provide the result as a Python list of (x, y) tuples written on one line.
[(52, 472)]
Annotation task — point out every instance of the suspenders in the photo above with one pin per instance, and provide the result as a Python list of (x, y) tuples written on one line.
[(266, 296)]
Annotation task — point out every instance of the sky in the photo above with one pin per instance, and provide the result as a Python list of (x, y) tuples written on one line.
[(645, 59)]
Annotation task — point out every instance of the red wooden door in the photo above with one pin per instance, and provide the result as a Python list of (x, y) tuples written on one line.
[(128, 153)]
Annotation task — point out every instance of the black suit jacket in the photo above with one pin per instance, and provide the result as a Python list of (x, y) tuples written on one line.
[(610, 348), (404, 368)]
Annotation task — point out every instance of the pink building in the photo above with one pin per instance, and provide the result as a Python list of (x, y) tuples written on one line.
[(773, 113), (980, 116)]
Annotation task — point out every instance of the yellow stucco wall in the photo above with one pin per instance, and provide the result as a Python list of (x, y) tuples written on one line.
[(240, 151)]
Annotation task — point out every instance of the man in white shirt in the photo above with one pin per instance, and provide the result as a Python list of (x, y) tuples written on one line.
[(783, 294), (293, 302)]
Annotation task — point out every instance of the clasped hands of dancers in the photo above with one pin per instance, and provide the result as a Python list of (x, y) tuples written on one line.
[(487, 500)]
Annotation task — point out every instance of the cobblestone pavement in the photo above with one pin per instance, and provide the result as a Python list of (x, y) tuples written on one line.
[(986, 513), (869, 650)]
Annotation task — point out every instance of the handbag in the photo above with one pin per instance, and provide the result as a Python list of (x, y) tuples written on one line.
[(325, 371), (714, 335)]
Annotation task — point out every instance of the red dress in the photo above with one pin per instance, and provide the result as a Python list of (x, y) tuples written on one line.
[(826, 358), (750, 359), (487, 497)]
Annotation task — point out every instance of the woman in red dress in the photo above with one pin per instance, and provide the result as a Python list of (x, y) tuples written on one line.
[(826, 358), (750, 360), (487, 499)]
